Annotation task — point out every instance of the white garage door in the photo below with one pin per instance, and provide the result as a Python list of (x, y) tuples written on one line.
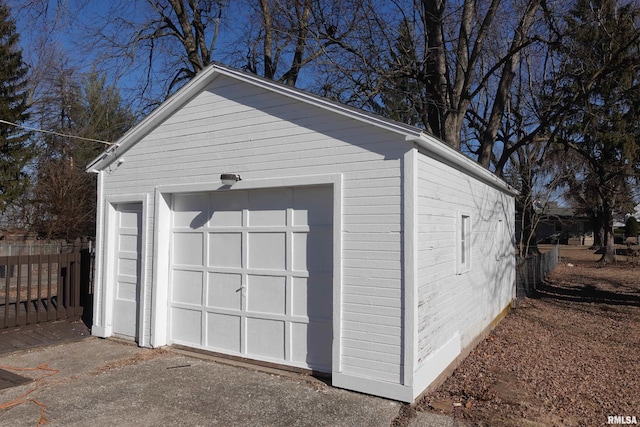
[(251, 274)]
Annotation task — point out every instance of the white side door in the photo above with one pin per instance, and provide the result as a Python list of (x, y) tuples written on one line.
[(126, 305)]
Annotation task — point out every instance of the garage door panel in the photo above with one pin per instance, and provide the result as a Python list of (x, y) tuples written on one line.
[(186, 326), (126, 321), (311, 344), (312, 251), (226, 219), (312, 206), (129, 218), (187, 287), (312, 297), (187, 249), (223, 332), (225, 249), (269, 207), (190, 211), (227, 209), (128, 242), (128, 266), (267, 250), (265, 338), (267, 217), (127, 289), (225, 291), (266, 294)]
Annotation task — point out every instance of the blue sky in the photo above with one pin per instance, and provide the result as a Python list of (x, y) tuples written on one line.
[(61, 33), (67, 35)]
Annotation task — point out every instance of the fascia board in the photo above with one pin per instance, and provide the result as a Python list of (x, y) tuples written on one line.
[(442, 152)]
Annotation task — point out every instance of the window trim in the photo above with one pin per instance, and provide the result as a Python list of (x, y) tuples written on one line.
[(463, 242), (498, 240)]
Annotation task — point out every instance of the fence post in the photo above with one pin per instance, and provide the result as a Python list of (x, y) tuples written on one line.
[(7, 277), (86, 284), (75, 284)]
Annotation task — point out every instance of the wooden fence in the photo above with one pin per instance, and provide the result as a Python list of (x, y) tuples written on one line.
[(42, 288), (531, 271)]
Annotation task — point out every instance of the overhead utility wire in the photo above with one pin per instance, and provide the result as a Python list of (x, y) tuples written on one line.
[(56, 133)]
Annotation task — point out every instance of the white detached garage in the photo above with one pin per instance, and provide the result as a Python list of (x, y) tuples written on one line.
[(343, 243)]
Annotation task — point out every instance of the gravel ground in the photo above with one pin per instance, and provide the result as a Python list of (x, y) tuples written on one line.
[(570, 357)]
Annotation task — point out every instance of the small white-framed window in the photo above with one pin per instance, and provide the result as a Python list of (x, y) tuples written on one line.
[(463, 243), (498, 240)]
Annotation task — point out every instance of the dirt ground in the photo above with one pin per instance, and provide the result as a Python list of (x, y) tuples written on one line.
[(569, 357)]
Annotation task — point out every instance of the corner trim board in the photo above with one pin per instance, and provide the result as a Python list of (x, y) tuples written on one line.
[(436, 363), (387, 390)]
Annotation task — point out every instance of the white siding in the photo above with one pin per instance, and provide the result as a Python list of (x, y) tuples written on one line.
[(451, 304), (236, 127)]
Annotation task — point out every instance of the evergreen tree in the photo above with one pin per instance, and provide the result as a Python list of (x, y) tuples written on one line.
[(15, 151), (401, 97), (596, 93)]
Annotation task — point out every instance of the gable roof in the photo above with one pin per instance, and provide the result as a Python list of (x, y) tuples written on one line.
[(203, 79)]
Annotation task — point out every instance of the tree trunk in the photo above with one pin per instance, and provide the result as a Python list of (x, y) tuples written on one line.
[(520, 38), (598, 230), (303, 13), (452, 126), (188, 39), (606, 231), (529, 239), (269, 71), (435, 78)]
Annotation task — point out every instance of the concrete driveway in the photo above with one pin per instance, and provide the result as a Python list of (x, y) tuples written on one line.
[(97, 382)]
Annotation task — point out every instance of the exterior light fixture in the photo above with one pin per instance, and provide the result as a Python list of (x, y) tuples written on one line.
[(229, 178)]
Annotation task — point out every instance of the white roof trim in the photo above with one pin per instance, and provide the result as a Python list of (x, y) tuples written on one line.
[(446, 154)]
